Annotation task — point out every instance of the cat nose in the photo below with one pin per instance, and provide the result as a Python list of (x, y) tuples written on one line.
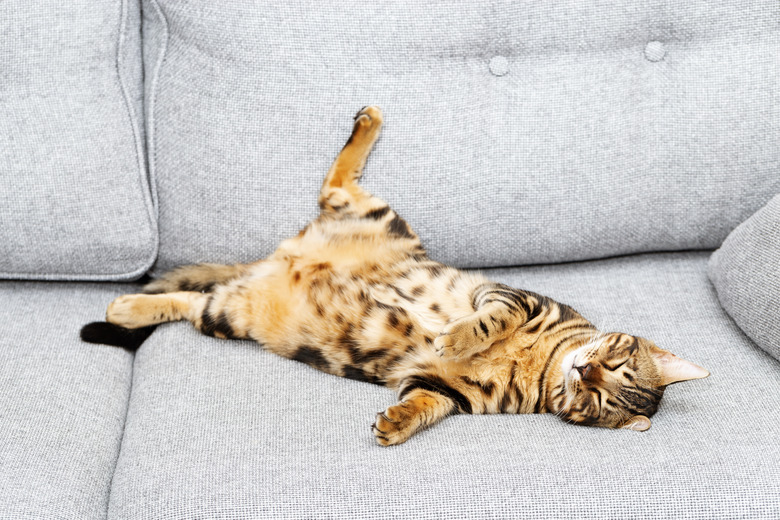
[(584, 370)]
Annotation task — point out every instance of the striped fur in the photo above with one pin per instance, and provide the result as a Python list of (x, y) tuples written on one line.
[(354, 294)]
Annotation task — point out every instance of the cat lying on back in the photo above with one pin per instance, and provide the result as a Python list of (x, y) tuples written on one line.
[(354, 294)]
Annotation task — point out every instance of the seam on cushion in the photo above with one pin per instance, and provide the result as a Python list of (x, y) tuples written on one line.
[(82, 277), (149, 119), (144, 180), (121, 436)]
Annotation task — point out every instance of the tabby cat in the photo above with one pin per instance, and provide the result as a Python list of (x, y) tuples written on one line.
[(354, 294)]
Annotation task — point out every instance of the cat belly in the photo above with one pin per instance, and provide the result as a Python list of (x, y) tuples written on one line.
[(263, 305), (326, 317)]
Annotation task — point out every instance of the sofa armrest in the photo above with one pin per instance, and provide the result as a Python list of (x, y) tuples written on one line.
[(746, 273)]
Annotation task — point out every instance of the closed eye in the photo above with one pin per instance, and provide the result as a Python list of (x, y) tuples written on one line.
[(597, 394), (612, 368)]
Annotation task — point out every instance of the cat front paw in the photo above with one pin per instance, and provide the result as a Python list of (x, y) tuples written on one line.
[(459, 338), (394, 426)]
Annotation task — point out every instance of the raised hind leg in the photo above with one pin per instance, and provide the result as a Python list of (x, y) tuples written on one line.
[(340, 194)]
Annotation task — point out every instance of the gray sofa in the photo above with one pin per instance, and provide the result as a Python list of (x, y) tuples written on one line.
[(596, 153)]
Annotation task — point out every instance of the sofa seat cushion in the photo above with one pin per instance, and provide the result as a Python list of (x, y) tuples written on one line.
[(75, 201), (515, 132), (746, 273), (223, 429), (62, 402)]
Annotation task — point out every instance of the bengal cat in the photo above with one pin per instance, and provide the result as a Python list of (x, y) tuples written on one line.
[(354, 294)]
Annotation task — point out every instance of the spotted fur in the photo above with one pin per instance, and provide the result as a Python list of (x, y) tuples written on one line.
[(354, 294)]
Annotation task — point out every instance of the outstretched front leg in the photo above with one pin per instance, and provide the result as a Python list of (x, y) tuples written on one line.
[(425, 400), (340, 193)]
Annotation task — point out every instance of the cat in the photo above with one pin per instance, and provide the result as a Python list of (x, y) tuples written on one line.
[(355, 294)]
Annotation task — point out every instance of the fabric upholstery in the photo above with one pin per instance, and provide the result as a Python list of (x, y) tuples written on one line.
[(223, 429), (74, 195), (746, 273), (62, 402), (516, 132)]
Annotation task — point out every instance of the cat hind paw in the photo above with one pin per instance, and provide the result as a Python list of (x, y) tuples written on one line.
[(131, 311), (368, 118)]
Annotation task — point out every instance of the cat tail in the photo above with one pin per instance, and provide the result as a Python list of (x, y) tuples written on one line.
[(105, 333)]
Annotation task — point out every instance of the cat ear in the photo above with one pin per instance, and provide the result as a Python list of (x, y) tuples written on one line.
[(673, 369), (637, 423)]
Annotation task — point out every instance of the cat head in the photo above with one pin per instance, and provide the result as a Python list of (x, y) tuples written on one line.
[(617, 380)]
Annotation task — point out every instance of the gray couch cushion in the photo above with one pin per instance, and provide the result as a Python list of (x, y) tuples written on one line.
[(746, 273), (62, 402), (223, 429), (74, 196), (516, 132)]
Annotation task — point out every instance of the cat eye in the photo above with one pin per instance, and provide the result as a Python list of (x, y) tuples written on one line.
[(597, 397), (612, 368)]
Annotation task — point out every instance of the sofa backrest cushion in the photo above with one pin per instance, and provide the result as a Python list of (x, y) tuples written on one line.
[(75, 201), (515, 132), (746, 273)]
